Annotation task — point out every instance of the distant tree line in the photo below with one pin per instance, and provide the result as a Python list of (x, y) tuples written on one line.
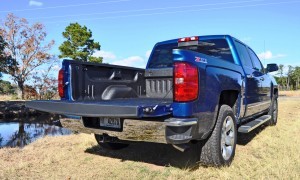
[(25, 57), (289, 80)]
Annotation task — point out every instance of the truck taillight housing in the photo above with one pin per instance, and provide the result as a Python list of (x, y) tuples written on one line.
[(187, 39), (61, 90), (186, 82)]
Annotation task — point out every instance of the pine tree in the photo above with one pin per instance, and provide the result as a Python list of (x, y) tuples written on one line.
[(79, 44)]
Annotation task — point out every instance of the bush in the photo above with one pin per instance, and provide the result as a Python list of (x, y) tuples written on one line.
[(14, 97), (6, 87)]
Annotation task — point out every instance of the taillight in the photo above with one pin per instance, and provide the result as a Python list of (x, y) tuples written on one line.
[(61, 91), (187, 39), (186, 82)]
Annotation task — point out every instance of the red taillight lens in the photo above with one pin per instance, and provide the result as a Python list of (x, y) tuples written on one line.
[(61, 91), (186, 82)]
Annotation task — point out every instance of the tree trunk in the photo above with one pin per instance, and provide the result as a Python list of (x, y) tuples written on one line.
[(288, 83), (40, 92), (21, 92), (297, 83)]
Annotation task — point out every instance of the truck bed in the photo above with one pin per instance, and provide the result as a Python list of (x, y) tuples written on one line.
[(91, 81)]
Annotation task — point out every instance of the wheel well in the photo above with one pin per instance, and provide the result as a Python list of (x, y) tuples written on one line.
[(228, 97)]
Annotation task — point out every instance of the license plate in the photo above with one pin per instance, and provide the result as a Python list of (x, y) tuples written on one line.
[(110, 122)]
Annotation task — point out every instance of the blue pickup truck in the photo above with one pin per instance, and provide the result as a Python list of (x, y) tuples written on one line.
[(202, 89)]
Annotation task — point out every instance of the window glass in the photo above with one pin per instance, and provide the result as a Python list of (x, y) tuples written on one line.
[(217, 48), (163, 57), (256, 62), (243, 54)]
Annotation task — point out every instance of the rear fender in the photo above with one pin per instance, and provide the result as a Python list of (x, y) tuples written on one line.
[(215, 76), (218, 80)]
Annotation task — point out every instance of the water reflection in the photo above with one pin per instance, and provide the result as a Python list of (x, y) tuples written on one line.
[(19, 134)]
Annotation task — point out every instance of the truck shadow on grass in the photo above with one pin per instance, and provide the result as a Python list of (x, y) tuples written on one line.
[(153, 153), (163, 154), (243, 139)]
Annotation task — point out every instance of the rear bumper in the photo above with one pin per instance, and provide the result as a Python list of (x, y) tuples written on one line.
[(171, 131)]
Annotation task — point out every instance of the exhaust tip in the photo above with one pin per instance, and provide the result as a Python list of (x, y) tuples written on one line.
[(181, 147)]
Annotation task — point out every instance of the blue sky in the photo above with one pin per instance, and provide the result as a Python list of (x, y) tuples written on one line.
[(128, 29)]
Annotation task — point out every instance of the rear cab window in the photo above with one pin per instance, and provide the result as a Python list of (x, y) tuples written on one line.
[(162, 55)]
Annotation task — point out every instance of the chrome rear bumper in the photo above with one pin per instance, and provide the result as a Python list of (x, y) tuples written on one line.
[(172, 131)]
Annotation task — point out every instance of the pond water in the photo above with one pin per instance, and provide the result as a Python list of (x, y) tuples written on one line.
[(19, 133)]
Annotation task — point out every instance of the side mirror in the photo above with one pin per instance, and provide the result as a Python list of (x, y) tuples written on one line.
[(271, 68)]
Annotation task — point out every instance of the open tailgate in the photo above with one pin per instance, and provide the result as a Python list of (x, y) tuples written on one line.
[(124, 108)]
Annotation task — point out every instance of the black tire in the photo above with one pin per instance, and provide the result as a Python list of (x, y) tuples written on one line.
[(273, 112), (109, 145), (211, 149)]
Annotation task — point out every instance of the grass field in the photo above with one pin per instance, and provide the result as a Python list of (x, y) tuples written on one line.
[(290, 93), (267, 153)]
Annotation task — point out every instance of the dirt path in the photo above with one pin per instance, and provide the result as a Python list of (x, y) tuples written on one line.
[(267, 153)]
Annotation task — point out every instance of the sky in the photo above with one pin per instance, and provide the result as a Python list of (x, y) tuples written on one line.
[(128, 29)]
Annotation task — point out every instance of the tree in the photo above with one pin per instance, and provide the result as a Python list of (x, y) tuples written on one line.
[(281, 80), (25, 49), (4, 58), (289, 74), (280, 70), (2, 47), (79, 44), (6, 87), (296, 76), (45, 82), (289, 80), (2, 55)]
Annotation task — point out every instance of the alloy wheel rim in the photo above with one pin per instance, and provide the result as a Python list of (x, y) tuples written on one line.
[(227, 138)]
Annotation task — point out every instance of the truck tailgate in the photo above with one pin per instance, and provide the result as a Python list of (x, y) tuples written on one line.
[(124, 108)]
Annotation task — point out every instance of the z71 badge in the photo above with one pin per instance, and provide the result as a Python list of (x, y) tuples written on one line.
[(201, 60)]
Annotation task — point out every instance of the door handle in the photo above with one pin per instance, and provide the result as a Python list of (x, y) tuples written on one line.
[(262, 79)]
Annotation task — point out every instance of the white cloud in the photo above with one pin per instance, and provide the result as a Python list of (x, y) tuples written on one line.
[(107, 55), (56, 67), (35, 3), (148, 53), (135, 61), (269, 55)]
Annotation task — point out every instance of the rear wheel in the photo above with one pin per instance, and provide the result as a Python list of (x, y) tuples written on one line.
[(109, 145), (219, 148), (273, 112)]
